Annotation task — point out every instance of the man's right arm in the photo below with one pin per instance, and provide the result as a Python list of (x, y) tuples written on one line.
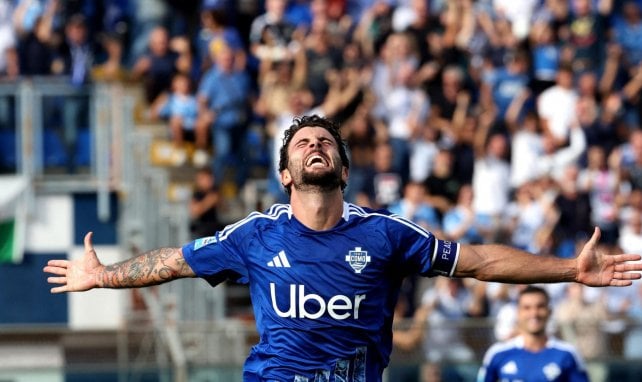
[(150, 268)]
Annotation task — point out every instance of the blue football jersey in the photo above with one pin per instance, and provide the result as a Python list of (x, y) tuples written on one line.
[(509, 361), (323, 300)]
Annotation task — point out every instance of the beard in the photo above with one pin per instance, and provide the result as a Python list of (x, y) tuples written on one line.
[(322, 181)]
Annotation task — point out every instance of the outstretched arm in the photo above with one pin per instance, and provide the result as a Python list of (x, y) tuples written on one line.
[(150, 268), (506, 264)]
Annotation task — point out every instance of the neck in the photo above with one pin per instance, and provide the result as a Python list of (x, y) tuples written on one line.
[(319, 211), (534, 342)]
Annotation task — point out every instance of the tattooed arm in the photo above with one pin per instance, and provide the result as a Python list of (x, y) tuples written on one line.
[(151, 268)]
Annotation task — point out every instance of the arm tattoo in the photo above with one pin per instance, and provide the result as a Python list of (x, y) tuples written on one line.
[(150, 268)]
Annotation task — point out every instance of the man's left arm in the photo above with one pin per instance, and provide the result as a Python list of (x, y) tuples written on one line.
[(593, 267)]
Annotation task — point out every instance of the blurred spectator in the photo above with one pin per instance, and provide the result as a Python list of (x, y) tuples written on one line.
[(546, 54), (180, 109), (413, 206), (579, 316), (7, 33), (602, 183), (503, 84), (503, 308), (573, 214), (316, 59), (463, 148), (216, 32), (223, 96), (147, 15), (598, 123), (204, 220), (397, 55), (525, 141), (447, 98), (630, 239), (34, 27), (434, 325), (112, 67), (156, 67), (525, 220), (632, 94), (556, 107), (517, 13), (362, 140), (442, 183), (386, 183), (633, 340), (271, 35), (374, 23), (423, 150), (555, 159), (75, 56), (460, 222), (631, 159), (586, 28), (491, 176), (628, 33), (407, 111), (12, 65)]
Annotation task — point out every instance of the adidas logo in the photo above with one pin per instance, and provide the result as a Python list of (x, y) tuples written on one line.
[(279, 261)]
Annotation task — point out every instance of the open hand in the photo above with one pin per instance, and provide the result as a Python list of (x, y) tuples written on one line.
[(75, 275), (596, 268)]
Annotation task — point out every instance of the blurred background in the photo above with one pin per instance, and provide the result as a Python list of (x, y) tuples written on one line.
[(154, 122)]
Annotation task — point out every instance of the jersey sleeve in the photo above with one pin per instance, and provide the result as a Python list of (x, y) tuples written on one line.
[(216, 259), (422, 252)]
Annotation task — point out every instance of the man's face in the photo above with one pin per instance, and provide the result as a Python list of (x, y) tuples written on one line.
[(532, 313), (313, 161)]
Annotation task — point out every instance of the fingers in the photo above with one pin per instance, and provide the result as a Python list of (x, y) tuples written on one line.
[(595, 238), (57, 280), (58, 263), (88, 245), (621, 283), (626, 276), (60, 289), (55, 270), (621, 258)]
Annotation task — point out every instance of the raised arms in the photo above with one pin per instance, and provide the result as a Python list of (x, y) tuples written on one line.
[(150, 268), (506, 264)]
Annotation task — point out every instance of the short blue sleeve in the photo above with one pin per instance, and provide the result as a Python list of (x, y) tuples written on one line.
[(216, 259)]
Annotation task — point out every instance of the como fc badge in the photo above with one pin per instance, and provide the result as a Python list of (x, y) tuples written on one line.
[(358, 259)]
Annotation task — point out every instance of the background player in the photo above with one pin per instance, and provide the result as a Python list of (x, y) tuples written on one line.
[(532, 355)]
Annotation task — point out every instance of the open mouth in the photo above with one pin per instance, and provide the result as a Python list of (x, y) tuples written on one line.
[(316, 160)]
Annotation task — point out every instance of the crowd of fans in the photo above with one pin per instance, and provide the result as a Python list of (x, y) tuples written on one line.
[(483, 120)]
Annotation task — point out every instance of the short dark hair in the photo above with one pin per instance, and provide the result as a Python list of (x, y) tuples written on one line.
[(313, 121), (531, 289)]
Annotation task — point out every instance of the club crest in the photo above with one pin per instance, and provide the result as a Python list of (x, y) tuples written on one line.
[(358, 259)]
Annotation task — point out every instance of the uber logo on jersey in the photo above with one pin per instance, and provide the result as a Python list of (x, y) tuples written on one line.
[(310, 305), (358, 259)]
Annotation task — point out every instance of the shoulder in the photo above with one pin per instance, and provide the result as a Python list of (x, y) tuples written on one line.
[(500, 348), (256, 220), (381, 217), (563, 346)]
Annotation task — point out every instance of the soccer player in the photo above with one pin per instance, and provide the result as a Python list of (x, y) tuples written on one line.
[(324, 275), (532, 355)]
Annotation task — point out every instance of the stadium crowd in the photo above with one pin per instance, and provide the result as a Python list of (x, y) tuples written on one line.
[(482, 120)]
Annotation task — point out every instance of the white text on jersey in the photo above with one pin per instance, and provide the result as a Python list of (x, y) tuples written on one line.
[(339, 307)]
